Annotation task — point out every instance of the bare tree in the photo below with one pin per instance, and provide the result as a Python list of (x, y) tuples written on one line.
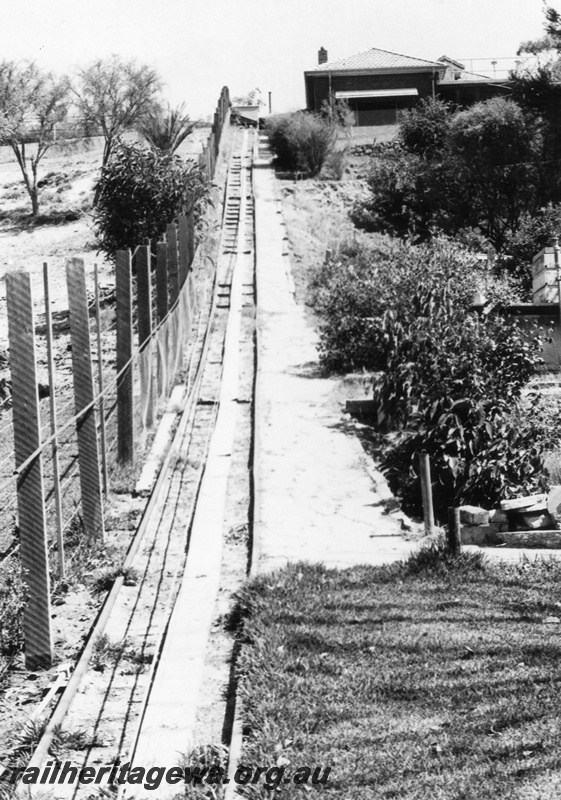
[(113, 95), (32, 102)]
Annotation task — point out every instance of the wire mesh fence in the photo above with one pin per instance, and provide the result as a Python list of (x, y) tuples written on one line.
[(65, 439), (153, 369)]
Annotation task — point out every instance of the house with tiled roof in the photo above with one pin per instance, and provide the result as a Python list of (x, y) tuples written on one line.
[(378, 84), (465, 88)]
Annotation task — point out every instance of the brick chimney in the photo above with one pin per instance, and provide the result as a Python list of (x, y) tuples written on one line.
[(322, 55)]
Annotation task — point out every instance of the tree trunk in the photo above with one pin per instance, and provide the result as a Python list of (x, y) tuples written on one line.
[(31, 187), (107, 150), (34, 191), (34, 194)]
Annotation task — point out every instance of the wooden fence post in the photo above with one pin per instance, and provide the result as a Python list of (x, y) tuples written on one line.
[(144, 304), (191, 236), (53, 414), (426, 492), (101, 405), (183, 242), (144, 294), (86, 428), (454, 531), (31, 510), (162, 306), (125, 406), (173, 267), (162, 296)]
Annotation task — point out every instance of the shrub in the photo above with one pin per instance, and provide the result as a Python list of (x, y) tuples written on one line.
[(167, 130), (355, 289), (534, 232), (423, 129), (448, 382), (450, 386), (301, 141), (478, 455), (139, 192), (339, 113), (440, 350), (408, 195), (475, 168), (336, 163), (492, 154)]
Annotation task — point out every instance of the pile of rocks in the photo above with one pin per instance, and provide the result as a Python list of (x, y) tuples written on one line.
[(480, 526), (522, 521)]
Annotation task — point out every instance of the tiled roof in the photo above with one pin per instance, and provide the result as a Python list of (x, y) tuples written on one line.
[(470, 77), (375, 59)]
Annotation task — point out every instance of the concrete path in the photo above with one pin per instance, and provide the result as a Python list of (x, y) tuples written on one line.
[(315, 500)]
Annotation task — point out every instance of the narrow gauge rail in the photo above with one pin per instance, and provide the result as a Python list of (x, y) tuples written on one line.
[(150, 641)]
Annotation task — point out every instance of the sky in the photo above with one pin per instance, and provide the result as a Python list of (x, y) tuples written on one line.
[(198, 46)]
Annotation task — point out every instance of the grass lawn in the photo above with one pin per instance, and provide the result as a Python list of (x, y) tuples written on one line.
[(428, 679)]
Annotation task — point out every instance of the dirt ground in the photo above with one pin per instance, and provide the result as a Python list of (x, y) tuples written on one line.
[(317, 216)]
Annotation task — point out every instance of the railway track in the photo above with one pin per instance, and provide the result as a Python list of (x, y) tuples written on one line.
[(135, 694)]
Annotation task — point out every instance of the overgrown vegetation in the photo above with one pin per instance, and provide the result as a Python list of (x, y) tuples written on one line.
[(436, 678), (494, 168), (449, 170), (301, 141), (105, 653), (447, 381), (139, 191), (359, 283), (204, 759)]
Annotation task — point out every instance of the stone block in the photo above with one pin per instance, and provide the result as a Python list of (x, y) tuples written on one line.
[(473, 515), (529, 520), (498, 516), (535, 520), (522, 503), (554, 505), (542, 539), (481, 534)]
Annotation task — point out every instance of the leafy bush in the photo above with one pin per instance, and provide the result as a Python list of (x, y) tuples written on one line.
[(423, 129), (476, 168), (441, 350), (139, 192), (301, 141), (448, 382), (356, 288), (450, 386), (534, 232), (399, 202), (492, 155)]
